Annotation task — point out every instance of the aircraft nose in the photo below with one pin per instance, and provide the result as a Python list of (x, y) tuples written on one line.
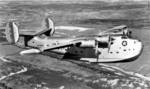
[(137, 49)]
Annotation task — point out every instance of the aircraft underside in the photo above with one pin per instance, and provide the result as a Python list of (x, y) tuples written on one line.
[(117, 50), (124, 54)]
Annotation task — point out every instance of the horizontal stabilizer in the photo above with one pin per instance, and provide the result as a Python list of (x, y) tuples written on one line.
[(48, 29), (30, 51), (60, 45)]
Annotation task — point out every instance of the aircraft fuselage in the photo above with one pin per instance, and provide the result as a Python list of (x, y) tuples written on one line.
[(117, 49)]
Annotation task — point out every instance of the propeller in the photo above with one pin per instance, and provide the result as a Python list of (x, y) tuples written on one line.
[(97, 40)]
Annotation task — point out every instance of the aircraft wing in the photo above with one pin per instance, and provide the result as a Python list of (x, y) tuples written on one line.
[(118, 30), (32, 32), (60, 45), (113, 30), (39, 50)]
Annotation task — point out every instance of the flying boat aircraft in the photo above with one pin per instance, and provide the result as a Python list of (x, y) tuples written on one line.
[(114, 45)]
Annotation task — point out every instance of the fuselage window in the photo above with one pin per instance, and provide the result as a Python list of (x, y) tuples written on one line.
[(124, 43), (134, 42), (124, 37), (124, 50), (54, 43), (47, 44), (111, 43)]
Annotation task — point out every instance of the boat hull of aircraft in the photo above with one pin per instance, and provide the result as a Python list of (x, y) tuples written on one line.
[(117, 51)]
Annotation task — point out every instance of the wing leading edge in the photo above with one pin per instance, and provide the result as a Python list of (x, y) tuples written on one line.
[(68, 44), (45, 48)]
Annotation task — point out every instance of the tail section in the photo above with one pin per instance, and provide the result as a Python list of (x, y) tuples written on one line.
[(12, 33)]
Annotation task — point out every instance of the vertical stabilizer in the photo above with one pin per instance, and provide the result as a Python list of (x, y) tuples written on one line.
[(11, 32), (50, 26)]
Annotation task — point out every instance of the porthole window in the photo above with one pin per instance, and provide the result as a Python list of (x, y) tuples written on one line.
[(111, 43), (54, 43), (134, 42)]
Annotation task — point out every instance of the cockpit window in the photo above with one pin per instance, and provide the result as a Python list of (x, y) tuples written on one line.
[(124, 37)]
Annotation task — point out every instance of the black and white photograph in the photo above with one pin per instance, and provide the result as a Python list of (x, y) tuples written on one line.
[(74, 44)]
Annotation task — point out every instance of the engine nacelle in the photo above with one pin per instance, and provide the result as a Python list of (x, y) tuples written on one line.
[(103, 39)]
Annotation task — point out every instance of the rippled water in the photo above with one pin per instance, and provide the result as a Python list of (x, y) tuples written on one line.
[(30, 17)]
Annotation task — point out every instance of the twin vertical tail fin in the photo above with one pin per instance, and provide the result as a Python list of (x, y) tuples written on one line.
[(12, 33), (50, 26)]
